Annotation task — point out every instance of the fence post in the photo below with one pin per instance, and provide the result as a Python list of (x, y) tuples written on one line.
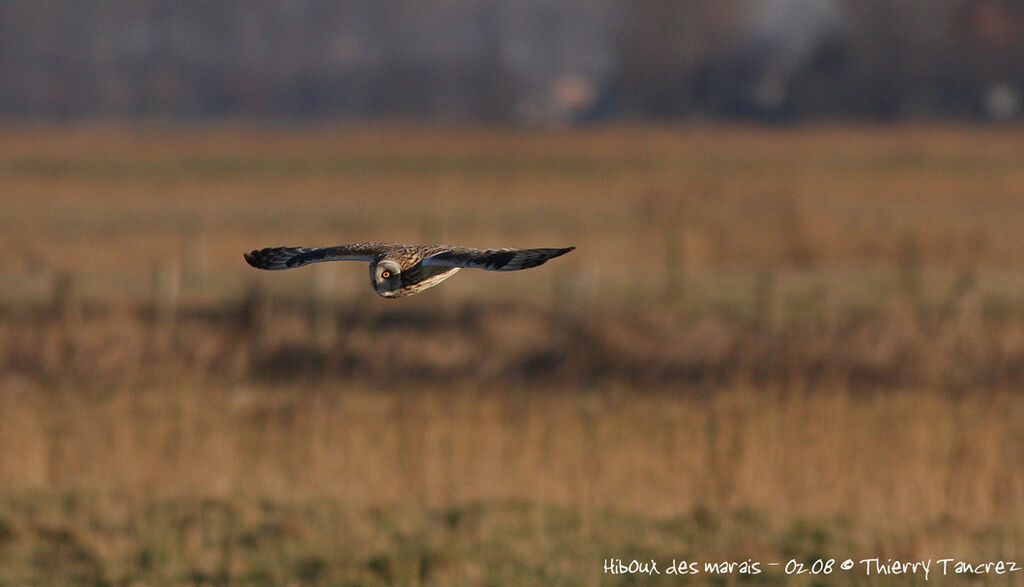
[(255, 315), (64, 305), (911, 279), (323, 313), (197, 265), (675, 259), (65, 312), (166, 297), (766, 302)]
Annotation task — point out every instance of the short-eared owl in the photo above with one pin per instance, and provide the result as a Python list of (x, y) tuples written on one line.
[(404, 270)]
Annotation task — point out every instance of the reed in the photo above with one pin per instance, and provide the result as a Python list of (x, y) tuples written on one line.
[(906, 474)]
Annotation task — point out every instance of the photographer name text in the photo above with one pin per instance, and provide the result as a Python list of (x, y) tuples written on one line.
[(926, 569)]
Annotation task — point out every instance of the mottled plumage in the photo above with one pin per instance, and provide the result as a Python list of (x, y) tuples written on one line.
[(403, 270)]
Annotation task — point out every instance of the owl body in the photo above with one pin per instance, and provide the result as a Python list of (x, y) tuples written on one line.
[(398, 270)]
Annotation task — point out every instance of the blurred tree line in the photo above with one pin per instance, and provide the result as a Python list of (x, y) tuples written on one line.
[(529, 61)]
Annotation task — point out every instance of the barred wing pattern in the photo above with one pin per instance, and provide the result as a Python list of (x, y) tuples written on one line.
[(275, 258), (494, 259)]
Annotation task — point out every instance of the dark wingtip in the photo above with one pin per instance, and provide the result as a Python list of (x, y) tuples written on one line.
[(550, 254), (250, 258)]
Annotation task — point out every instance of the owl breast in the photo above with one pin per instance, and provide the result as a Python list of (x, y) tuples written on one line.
[(418, 278)]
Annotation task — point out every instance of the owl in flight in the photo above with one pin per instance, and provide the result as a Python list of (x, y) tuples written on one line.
[(403, 270)]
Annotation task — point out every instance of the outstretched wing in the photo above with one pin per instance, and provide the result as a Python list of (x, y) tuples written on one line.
[(289, 257), (494, 259)]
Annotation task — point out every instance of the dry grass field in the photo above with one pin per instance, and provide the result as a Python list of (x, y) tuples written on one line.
[(770, 344)]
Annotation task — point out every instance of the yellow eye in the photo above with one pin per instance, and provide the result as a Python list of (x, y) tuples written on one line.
[(385, 274)]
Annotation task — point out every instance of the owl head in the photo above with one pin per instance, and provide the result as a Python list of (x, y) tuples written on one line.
[(386, 277)]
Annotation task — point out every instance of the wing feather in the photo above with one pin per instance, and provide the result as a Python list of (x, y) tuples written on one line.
[(274, 258), (494, 259)]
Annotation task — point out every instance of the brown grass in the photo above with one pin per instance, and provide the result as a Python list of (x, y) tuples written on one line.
[(908, 458), (908, 475), (770, 343)]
